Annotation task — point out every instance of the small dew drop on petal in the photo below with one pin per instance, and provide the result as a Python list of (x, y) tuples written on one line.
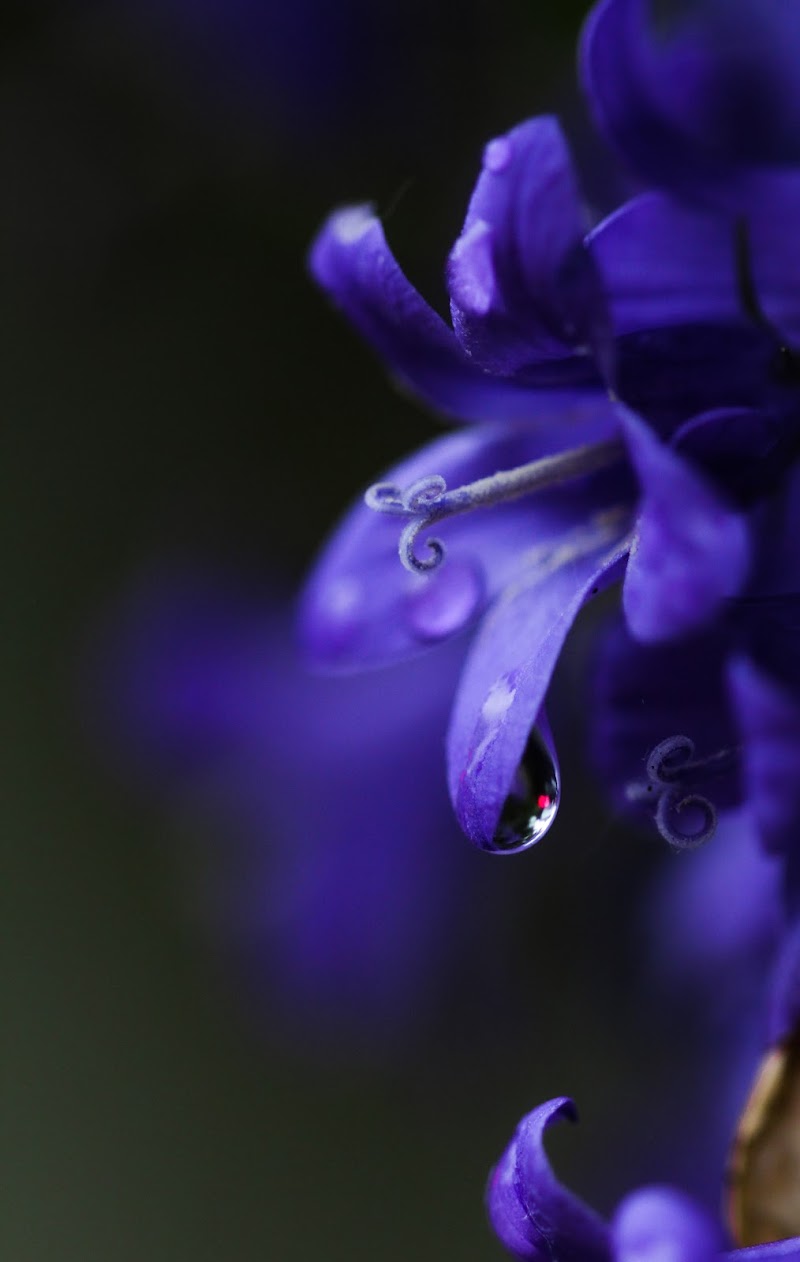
[(445, 601)]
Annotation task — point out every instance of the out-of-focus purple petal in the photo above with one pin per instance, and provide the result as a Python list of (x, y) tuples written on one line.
[(338, 885), (511, 661), (714, 917), (534, 1215), (659, 1222), (352, 262), (704, 102), (523, 287), (690, 552), (645, 693), (769, 720), (361, 607)]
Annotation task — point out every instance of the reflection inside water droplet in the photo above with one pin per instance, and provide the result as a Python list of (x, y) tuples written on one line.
[(532, 803)]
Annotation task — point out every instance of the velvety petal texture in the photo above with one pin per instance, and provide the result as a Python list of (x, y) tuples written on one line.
[(690, 551), (362, 608), (532, 1213), (699, 98), (504, 682), (523, 287)]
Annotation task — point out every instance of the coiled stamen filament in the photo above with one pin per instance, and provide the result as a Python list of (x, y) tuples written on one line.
[(428, 500), (671, 766)]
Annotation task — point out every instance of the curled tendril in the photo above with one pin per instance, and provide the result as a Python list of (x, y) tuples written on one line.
[(408, 555), (671, 803), (671, 767), (420, 502), (667, 761)]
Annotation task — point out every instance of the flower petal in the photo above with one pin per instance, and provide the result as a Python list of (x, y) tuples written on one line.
[(657, 1222), (511, 661), (769, 720), (691, 551), (775, 1251), (523, 287), (352, 262), (665, 263), (532, 1213), (362, 607), (706, 104)]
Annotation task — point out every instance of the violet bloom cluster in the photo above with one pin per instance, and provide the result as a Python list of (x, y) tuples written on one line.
[(632, 389), (635, 384)]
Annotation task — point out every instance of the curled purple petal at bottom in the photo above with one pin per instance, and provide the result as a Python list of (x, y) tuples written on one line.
[(534, 1215)]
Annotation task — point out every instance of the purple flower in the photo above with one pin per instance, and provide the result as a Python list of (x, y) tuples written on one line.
[(537, 1218), (666, 305)]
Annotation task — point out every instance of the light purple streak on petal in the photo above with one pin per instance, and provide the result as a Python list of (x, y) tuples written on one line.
[(523, 288), (769, 720), (532, 1213), (362, 608), (709, 109), (352, 262), (508, 670), (659, 1223), (690, 552)]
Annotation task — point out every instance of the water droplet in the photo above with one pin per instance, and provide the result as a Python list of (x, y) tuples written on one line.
[(532, 804), (497, 154), (445, 601)]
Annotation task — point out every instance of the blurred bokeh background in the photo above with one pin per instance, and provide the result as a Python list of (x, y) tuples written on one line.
[(183, 420)]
